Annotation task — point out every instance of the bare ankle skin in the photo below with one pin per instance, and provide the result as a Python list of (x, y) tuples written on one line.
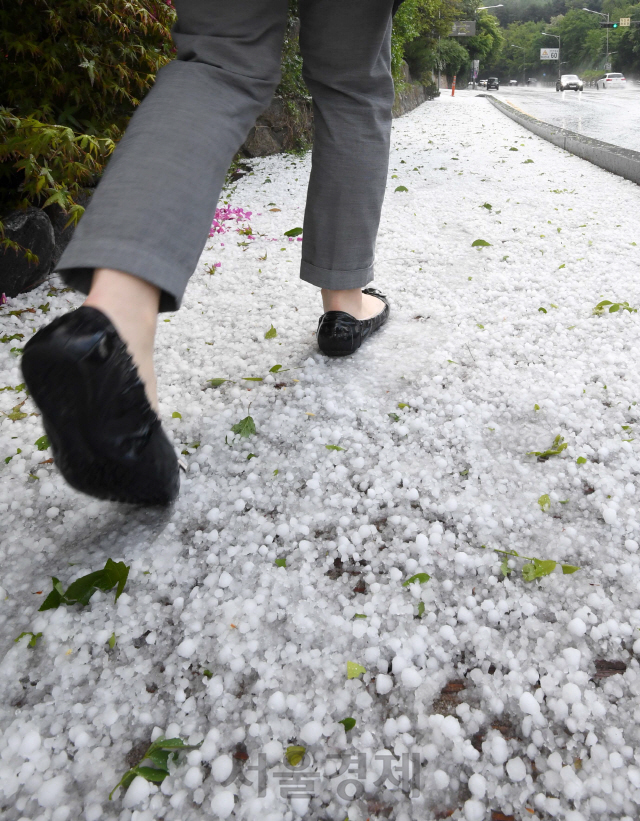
[(352, 301), (132, 305)]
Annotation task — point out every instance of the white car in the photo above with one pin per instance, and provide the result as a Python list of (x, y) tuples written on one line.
[(513, 82), (613, 80)]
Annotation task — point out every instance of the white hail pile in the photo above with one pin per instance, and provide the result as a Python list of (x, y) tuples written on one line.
[(500, 688)]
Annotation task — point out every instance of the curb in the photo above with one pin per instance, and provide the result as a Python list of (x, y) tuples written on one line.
[(621, 161)]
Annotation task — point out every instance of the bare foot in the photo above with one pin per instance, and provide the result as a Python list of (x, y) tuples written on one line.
[(132, 305), (354, 302)]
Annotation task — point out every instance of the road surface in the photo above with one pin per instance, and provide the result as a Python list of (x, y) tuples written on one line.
[(612, 116)]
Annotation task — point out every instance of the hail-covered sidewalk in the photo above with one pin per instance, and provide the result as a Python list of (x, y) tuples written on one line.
[(329, 618)]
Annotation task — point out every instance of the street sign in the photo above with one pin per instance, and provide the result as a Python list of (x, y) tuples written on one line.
[(549, 53), (625, 21), (607, 66), (463, 28)]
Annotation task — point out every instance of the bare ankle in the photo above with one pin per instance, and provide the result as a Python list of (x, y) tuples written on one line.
[(349, 300), (353, 302), (132, 305)]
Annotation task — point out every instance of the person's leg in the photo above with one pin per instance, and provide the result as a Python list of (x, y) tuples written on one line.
[(140, 239), (138, 244), (346, 50)]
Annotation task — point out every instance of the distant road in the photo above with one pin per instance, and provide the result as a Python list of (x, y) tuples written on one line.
[(612, 116)]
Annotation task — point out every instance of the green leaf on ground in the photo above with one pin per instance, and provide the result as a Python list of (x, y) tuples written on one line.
[(253, 378), (215, 383), (16, 414), (281, 562), (32, 641), (420, 609), (581, 460), (394, 417), (545, 502), (421, 578), (348, 723), (355, 670), (537, 569), (333, 447), (245, 427), (42, 443), (294, 754), (403, 405), (275, 369), (542, 310), (480, 243), (176, 415), (567, 569), (112, 641), (7, 338), (487, 205), (271, 333), (294, 232), (401, 188)]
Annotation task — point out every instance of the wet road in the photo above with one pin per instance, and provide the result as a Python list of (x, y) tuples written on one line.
[(612, 116)]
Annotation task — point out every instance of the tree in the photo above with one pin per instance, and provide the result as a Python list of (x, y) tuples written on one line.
[(418, 26), (525, 38), (487, 42)]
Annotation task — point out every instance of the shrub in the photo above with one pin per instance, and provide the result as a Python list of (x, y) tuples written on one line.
[(72, 73)]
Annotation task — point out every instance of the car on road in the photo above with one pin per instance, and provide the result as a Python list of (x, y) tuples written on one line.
[(513, 82), (569, 81), (493, 82), (612, 80), (532, 81), (482, 83)]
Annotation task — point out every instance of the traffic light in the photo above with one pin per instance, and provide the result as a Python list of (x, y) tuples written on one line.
[(609, 25)]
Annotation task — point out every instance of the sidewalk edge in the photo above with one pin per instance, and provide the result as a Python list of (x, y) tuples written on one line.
[(621, 161)]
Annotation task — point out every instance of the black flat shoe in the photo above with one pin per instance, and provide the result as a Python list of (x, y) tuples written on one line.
[(107, 440), (340, 334)]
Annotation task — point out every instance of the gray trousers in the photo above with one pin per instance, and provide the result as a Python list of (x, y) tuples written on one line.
[(150, 216)]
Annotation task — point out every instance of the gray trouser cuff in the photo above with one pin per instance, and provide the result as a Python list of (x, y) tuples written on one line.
[(336, 280), (80, 261)]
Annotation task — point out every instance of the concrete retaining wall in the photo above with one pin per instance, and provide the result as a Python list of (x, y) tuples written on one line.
[(621, 161), (283, 127)]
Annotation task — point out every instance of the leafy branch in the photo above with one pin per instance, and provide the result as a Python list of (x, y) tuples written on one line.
[(80, 592), (158, 754), (536, 569), (555, 450), (614, 307)]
